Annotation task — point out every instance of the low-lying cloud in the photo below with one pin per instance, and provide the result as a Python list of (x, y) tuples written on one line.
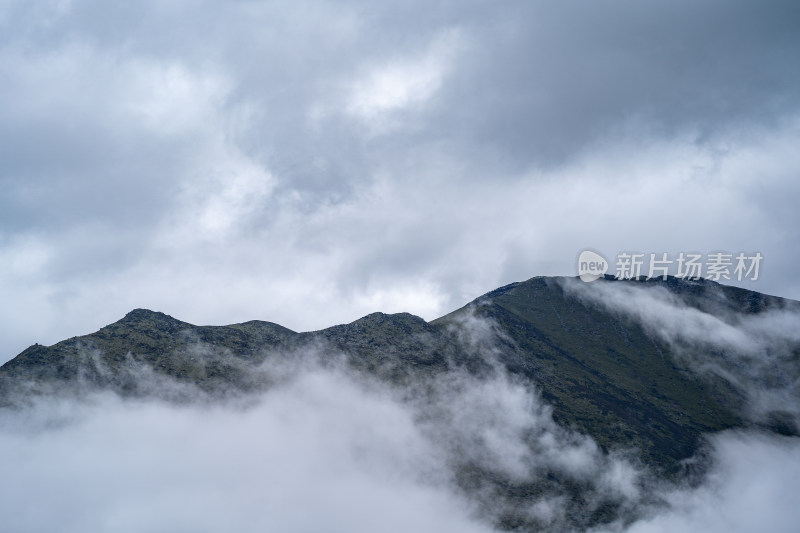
[(756, 352), (327, 447), (318, 454), (326, 451), (753, 487)]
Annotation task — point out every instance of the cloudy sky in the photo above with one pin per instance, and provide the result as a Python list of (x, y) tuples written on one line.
[(309, 162)]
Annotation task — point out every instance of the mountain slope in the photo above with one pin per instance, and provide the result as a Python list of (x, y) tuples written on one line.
[(624, 378), (607, 377)]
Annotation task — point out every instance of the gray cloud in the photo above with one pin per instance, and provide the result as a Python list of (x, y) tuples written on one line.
[(321, 448), (224, 162), (321, 454), (750, 489)]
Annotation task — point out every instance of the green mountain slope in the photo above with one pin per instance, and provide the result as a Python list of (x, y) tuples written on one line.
[(607, 377)]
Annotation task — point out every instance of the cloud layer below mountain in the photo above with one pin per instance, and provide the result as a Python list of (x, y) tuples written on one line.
[(326, 449)]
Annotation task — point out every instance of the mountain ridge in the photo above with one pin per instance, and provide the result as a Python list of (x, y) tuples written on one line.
[(606, 371)]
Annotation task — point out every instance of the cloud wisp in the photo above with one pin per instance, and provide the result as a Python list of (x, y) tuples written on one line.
[(756, 352), (750, 488)]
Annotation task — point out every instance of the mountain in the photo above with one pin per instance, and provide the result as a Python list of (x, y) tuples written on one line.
[(650, 368)]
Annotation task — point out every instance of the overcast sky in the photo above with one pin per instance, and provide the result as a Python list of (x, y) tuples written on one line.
[(309, 162)]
